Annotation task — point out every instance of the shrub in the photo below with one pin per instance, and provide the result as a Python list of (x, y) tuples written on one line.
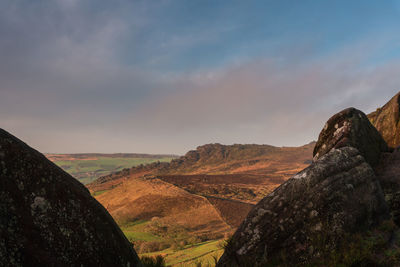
[(157, 261), (147, 247)]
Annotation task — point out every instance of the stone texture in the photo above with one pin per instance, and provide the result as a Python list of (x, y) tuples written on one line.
[(387, 121), (47, 218), (339, 193), (388, 173), (351, 127)]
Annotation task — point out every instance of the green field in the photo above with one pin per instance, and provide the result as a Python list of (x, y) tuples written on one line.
[(136, 231), (168, 244), (87, 169), (205, 253)]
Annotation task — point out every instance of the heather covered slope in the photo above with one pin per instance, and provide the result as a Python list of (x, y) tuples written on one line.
[(48, 218), (158, 216), (161, 202), (223, 159), (265, 161)]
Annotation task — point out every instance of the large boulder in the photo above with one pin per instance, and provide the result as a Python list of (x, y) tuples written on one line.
[(351, 127), (311, 213), (388, 173), (47, 218), (387, 121)]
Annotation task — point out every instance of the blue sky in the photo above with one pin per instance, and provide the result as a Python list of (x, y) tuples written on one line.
[(167, 76)]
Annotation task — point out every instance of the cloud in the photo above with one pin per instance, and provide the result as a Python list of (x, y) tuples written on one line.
[(267, 92), (82, 76)]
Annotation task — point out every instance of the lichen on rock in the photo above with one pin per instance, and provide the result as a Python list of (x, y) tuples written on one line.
[(48, 218), (318, 204), (351, 127)]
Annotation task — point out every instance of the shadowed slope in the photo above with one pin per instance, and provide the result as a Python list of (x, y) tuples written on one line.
[(267, 161)]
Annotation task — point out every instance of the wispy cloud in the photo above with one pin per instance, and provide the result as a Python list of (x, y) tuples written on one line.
[(166, 76)]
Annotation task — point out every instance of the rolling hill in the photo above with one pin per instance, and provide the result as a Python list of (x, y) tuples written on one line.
[(198, 198), (90, 166), (249, 161)]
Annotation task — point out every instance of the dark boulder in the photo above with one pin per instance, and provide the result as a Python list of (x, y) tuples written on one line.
[(388, 173), (387, 121), (351, 127), (48, 218), (311, 213)]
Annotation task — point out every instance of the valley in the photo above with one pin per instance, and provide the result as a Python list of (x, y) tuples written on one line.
[(186, 209), (199, 209), (89, 166)]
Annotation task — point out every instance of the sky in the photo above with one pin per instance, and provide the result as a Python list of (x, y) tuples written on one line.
[(167, 76)]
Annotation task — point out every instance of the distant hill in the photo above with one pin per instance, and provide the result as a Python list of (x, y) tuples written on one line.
[(387, 121), (87, 167), (268, 161), (203, 195)]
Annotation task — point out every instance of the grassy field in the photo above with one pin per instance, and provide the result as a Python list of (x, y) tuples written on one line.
[(205, 253), (88, 168), (136, 231), (139, 233)]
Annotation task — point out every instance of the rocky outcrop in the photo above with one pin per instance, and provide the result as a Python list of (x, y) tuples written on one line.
[(47, 218), (216, 159), (388, 173), (387, 121), (332, 212), (338, 194), (351, 127)]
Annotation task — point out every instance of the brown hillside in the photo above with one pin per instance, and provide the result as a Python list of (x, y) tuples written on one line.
[(242, 187), (387, 121), (208, 192), (269, 161), (155, 200), (233, 212)]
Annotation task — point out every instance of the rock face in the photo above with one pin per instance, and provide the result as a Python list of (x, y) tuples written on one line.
[(351, 127), (387, 121), (47, 218), (317, 203), (350, 190), (388, 173)]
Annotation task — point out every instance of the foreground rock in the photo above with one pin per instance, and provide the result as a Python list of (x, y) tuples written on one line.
[(47, 218), (351, 127), (334, 212), (310, 213), (387, 121), (388, 174)]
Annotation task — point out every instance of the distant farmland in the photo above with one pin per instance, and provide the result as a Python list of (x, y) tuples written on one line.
[(88, 167)]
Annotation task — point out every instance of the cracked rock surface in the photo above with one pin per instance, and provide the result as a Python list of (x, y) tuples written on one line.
[(337, 194), (351, 127), (340, 195)]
